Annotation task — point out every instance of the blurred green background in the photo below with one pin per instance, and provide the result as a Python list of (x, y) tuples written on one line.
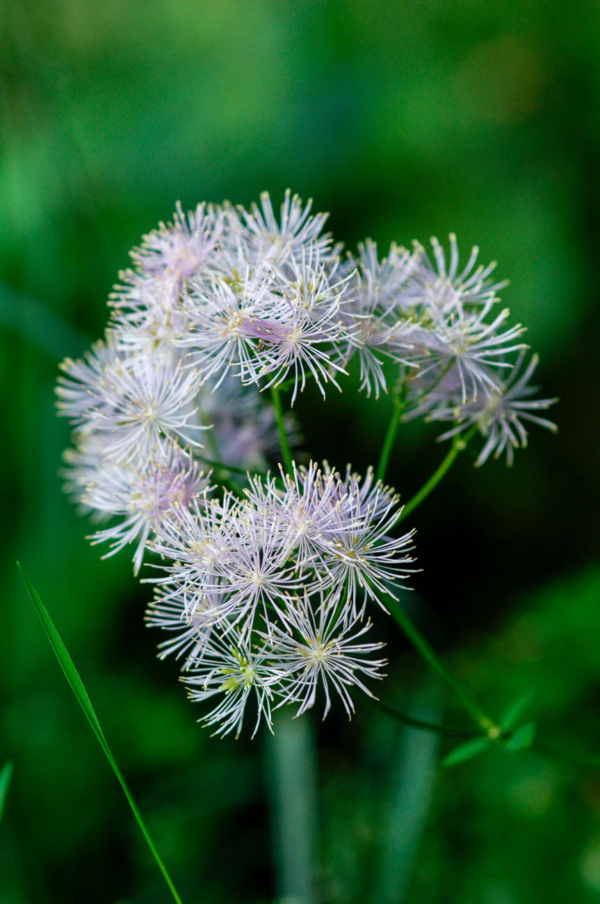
[(404, 120)]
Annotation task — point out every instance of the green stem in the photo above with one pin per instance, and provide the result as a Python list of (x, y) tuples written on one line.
[(390, 436), (481, 719), (459, 443), (445, 731), (286, 452), (292, 785), (213, 463)]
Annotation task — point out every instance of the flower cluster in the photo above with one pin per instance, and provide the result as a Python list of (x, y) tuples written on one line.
[(278, 583), (265, 583)]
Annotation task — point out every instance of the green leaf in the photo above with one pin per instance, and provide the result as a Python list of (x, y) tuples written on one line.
[(466, 751), (522, 738), (66, 664), (77, 686), (5, 777), (515, 710)]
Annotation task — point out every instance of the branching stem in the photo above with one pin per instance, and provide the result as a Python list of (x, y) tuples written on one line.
[(459, 443), (481, 719)]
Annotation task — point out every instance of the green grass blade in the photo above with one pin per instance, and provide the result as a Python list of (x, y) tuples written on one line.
[(5, 777), (65, 661), (77, 686)]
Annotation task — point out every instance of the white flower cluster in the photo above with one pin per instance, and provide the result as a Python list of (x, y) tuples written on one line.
[(265, 594), (458, 360)]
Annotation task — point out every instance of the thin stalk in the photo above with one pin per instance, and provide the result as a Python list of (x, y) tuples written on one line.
[(221, 466), (459, 443), (286, 452), (481, 719), (445, 731), (292, 786), (390, 437)]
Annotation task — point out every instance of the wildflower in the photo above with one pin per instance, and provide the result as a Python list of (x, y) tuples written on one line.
[(148, 316), (320, 648), (142, 497), (299, 330), (268, 239), (465, 342), (230, 669), (359, 553), (217, 342), (500, 415), (263, 592), (379, 327), (181, 248), (439, 285), (191, 621)]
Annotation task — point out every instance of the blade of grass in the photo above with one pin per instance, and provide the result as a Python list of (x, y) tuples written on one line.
[(77, 686), (5, 777)]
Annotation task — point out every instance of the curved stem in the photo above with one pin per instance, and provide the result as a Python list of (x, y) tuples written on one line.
[(286, 452), (458, 444), (481, 719)]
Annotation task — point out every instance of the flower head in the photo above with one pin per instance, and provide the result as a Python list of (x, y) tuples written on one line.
[(263, 582), (318, 648)]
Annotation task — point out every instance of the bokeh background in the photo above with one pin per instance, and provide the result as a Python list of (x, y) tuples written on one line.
[(404, 120)]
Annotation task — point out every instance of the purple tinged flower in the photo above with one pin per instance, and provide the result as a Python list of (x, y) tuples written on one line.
[(81, 385), (218, 342), (192, 625), (182, 247), (358, 551), (148, 316), (143, 498), (500, 415), (133, 403), (197, 539), (270, 323), (465, 342), (259, 571), (237, 557), (378, 325), (305, 503), (264, 597)]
